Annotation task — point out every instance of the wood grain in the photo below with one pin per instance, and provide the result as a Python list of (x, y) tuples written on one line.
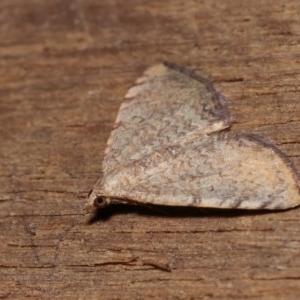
[(64, 69)]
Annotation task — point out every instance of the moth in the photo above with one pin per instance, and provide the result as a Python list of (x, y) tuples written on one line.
[(171, 145)]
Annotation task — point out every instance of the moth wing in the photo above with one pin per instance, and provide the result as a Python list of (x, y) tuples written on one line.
[(217, 171), (166, 103)]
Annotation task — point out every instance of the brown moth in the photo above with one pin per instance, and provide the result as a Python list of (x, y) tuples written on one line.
[(170, 147)]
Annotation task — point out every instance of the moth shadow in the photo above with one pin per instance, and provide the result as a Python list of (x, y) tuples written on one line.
[(104, 214)]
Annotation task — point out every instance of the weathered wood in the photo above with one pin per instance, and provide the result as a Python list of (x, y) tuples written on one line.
[(65, 66)]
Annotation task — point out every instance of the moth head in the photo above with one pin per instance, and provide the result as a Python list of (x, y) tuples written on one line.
[(96, 200)]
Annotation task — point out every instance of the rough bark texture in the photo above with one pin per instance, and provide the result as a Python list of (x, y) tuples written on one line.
[(65, 66)]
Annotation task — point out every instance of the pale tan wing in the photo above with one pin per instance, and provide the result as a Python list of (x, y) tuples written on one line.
[(216, 171), (167, 103)]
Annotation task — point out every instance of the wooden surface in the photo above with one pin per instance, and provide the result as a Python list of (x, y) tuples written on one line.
[(65, 66)]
